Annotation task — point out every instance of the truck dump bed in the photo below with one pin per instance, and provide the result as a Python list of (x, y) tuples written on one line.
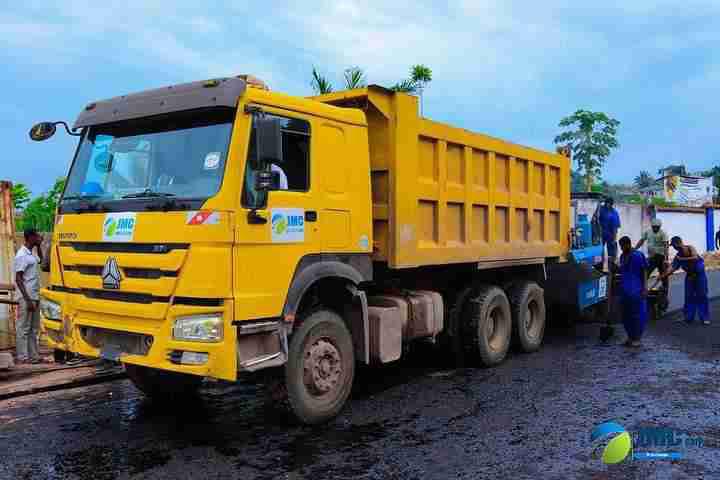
[(445, 195)]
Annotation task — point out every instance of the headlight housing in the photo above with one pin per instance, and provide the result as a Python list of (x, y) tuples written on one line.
[(199, 328), (50, 310)]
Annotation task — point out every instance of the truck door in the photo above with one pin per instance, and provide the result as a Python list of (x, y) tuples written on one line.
[(275, 232)]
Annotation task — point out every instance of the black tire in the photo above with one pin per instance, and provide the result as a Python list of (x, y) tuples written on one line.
[(162, 383), (59, 356), (527, 303), (457, 314), (490, 327), (321, 367)]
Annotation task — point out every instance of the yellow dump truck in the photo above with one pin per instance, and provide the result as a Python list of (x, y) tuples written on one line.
[(217, 228)]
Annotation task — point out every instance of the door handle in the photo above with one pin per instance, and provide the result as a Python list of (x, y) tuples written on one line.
[(310, 216), (255, 217)]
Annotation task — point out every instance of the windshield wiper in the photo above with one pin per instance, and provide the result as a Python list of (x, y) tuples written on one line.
[(81, 197), (149, 194), (87, 206)]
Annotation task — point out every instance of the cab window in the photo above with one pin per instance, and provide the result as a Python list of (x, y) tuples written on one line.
[(293, 166)]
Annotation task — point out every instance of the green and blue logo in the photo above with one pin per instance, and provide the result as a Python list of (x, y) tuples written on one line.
[(119, 227), (618, 447)]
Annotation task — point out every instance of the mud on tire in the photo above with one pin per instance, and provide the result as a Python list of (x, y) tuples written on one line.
[(488, 333), (527, 302), (320, 368)]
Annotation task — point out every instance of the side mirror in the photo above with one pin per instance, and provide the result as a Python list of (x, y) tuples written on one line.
[(267, 181), (269, 131), (42, 131)]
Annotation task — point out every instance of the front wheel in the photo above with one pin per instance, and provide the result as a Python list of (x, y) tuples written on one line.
[(320, 368), (161, 383)]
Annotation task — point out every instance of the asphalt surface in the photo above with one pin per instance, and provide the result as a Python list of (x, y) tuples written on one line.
[(528, 418)]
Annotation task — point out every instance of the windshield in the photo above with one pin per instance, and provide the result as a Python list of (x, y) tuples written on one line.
[(180, 156)]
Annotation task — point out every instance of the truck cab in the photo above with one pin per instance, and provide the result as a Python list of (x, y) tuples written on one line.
[(195, 221)]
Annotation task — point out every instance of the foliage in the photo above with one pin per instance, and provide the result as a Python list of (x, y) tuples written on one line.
[(576, 181), (20, 195), (405, 86), (420, 77), (320, 84), (354, 78), (591, 136), (661, 202), (40, 211), (644, 179)]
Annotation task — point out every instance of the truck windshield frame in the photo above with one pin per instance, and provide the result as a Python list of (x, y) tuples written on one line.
[(168, 162)]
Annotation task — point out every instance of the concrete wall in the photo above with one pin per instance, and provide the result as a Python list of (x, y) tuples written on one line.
[(688, 225), (633, 220)]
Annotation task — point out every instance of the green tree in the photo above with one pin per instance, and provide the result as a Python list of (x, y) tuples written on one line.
[(421, 76), (591, 136), (20, 195), (644, 179), (40, 211), (320, 84), (354, 78)]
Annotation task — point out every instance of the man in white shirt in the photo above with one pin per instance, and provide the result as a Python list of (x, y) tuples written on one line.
[(27, 280)]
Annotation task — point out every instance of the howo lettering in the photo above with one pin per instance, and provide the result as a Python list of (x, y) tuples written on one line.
[(251, 230)]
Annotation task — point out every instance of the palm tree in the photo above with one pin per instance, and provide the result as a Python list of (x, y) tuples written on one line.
[(644, 179), (354, 78), (421, 76), (320, 84)]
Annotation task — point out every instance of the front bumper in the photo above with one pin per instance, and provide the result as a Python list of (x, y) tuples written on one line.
[(112, 336)]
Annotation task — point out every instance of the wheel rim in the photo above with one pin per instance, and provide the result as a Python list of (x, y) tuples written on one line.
[(495, 329), (322, 368), (532, 319)]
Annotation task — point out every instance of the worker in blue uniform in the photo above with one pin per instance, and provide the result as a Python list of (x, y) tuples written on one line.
[(609, 220), (696, 284), (633, 291)]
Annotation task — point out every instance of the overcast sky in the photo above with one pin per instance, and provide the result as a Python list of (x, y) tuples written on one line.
[(507, 68)]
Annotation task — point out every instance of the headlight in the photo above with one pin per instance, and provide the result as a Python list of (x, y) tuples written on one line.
[(199, 328), (50, 309)]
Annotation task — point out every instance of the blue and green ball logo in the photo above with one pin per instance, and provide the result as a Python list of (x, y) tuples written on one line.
[(618, 447), (279, 223)]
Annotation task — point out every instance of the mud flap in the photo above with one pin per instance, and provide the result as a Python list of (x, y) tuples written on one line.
[(356, 315)]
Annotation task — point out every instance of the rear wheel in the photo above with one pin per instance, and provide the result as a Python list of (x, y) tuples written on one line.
[(161, 383), (527, 302), (320, 368), (490, 326)]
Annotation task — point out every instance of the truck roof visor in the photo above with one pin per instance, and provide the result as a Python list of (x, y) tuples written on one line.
[(223, 92)]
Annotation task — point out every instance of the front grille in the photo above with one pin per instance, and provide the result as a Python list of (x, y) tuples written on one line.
[(127, 343), (129, 297), (133, 297), (109, 247), (142, 273)]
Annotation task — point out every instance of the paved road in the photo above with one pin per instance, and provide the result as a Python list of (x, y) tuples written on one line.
[(530, 418)]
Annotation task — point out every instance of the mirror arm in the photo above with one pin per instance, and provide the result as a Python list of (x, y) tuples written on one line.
[(74, 132)]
